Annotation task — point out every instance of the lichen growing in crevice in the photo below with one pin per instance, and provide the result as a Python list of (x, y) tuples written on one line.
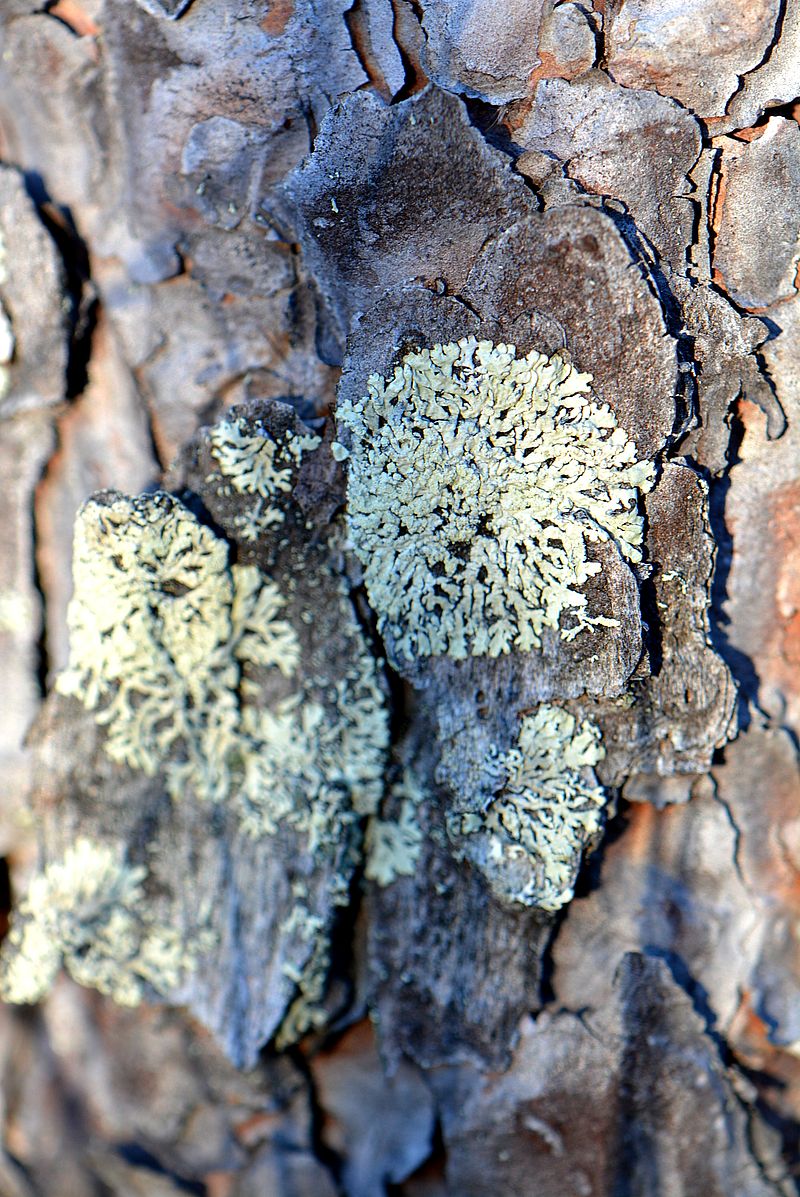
[(477, 483), (90, 912), (306, 1012), (392, 846), (529, 840)]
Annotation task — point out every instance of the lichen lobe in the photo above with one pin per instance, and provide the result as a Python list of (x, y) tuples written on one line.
[(254, 463), (529, 840)]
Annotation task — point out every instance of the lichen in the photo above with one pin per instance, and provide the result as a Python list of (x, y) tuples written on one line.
[(16, 611), (477, 483), (7, 338), (306, 1012), (392, 846), (213, 677), (159, 624), (529, 839), (149, 624), (317, 765), (173, 647), (90, 913), (255, 463)]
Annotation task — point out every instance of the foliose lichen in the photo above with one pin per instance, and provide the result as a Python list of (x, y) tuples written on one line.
[(529, 840), (314, 769), (173, 647), (159, 624), (16, 611), (148, 622), (306, 1011), (255, 463), (7, 338), (392, 846), (210, 675), (89, 912), (477, 482)]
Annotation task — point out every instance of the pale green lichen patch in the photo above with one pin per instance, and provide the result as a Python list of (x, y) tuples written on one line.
[(529, 840), (173, 648), (149, 624), (89, 912), (159, 624), (317, 766), (393, 846), (256, 463), (478, 481), (306, 1012), (229, 686)]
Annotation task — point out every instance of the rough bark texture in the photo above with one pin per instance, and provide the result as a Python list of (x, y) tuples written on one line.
[(218, 209)]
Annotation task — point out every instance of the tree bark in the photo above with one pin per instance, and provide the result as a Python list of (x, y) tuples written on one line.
[(219, 220)]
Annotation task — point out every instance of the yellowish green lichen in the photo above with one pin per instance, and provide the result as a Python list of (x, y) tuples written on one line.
[(210, 675), (529, 840), (256, 463), (172, 646), (7, 345), (159, 624), (317, 766), (392, 846), (477, 483), (306, 1011), (7, 338), (89, 912)]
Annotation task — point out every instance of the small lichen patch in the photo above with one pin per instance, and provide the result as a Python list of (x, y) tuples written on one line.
[(90, 913), (393, 846), (159, 624), (172, 648), (16, 611), (529, 840), (306, 1011), (260, 635), (7, 339), (477, 483), (317, 766), (256, 463), (150, 614)]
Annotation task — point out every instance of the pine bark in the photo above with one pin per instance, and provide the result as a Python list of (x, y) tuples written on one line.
[(215, 204)]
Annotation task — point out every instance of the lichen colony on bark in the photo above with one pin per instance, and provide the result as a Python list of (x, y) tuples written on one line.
[(413, 386)]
